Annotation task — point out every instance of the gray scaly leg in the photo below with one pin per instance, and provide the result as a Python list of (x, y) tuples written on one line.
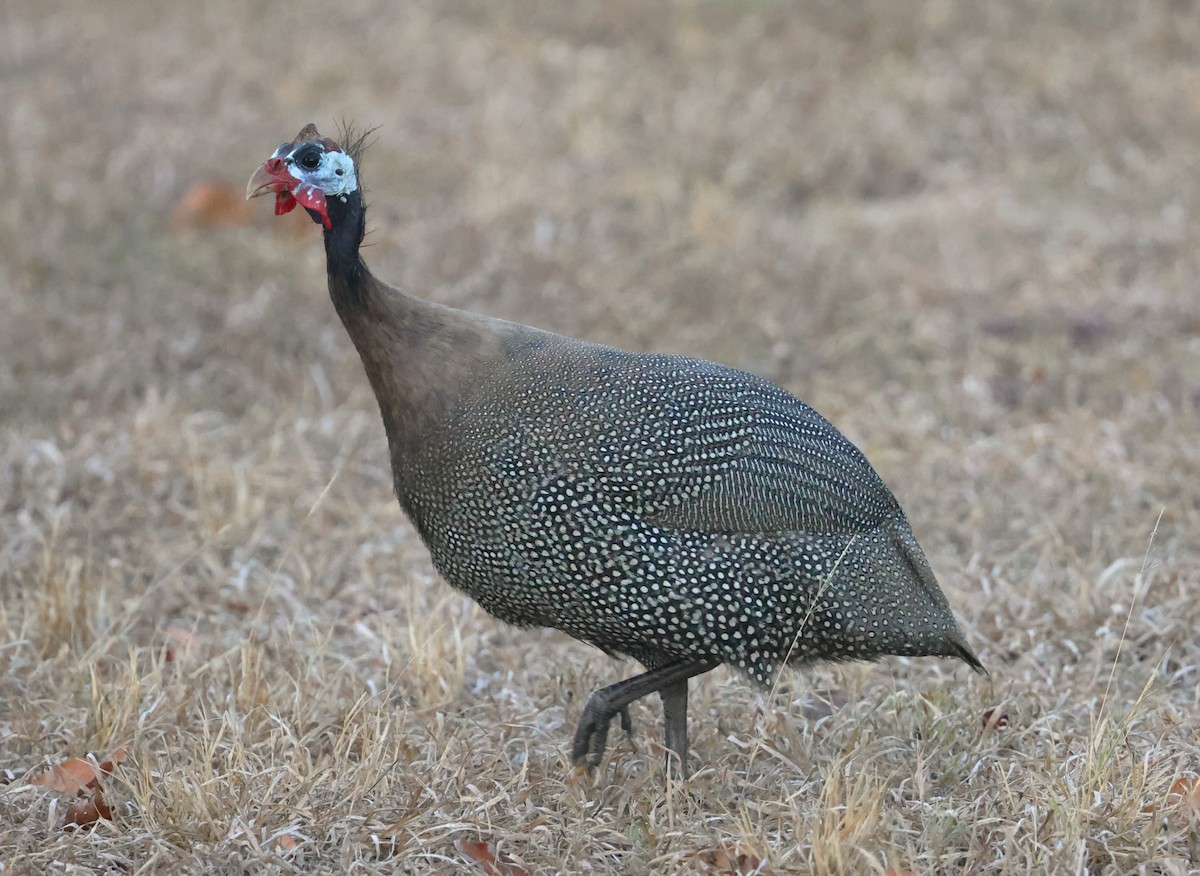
[(675, 701), (591, 736)]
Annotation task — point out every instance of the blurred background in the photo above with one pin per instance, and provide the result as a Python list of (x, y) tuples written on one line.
[(937, 222), (966, 232)]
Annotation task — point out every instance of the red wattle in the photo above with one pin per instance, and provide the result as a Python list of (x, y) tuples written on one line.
[(284, 203), (314, 199)]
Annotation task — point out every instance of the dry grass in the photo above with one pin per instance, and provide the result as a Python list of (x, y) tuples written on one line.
[(966, 232)]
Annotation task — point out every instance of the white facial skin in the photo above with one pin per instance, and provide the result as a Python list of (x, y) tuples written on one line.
[(334, 173)]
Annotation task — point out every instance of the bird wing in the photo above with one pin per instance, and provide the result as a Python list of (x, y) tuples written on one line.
[(711, 448), (763, 461)]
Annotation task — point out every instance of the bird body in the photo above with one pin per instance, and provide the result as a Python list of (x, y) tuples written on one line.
[(673, 510)]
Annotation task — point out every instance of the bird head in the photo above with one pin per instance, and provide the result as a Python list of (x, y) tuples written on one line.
[(307, 171)]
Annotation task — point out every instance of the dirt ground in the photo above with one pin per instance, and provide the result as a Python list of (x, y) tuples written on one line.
[(966, 232)]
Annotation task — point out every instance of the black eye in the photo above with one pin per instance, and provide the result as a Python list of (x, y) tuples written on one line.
[(310, 160)]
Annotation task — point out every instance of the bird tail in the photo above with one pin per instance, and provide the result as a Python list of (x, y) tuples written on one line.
[(906, 545)]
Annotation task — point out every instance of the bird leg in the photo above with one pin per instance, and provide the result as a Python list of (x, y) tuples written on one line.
[(674, 700), (591, 736)]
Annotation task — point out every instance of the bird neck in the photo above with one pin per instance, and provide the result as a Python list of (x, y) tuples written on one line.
[(371, 312), (343, 237), (418, 355)]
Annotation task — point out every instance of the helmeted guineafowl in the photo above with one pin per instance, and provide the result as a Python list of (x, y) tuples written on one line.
[(673, 510)]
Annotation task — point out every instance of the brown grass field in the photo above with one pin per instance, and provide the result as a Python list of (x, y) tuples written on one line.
[(967, 232)]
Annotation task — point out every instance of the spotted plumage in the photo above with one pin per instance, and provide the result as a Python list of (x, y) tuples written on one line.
[(673, 510), (669, 508)]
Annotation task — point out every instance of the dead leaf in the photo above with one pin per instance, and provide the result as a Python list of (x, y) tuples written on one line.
[(728, 862), (484, 854), (994, 719), (1183, 796), (210, 204), (73, 776), (287, 842), (86, 811), (114, 760), (76, 776), (1185, 790)]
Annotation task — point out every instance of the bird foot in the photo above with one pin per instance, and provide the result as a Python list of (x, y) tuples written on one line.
[(591, 736)]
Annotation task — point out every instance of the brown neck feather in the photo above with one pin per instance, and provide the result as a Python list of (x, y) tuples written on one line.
[(419, 356)]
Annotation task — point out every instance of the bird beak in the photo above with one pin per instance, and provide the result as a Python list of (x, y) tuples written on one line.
[(271, 176), (260, 180)]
